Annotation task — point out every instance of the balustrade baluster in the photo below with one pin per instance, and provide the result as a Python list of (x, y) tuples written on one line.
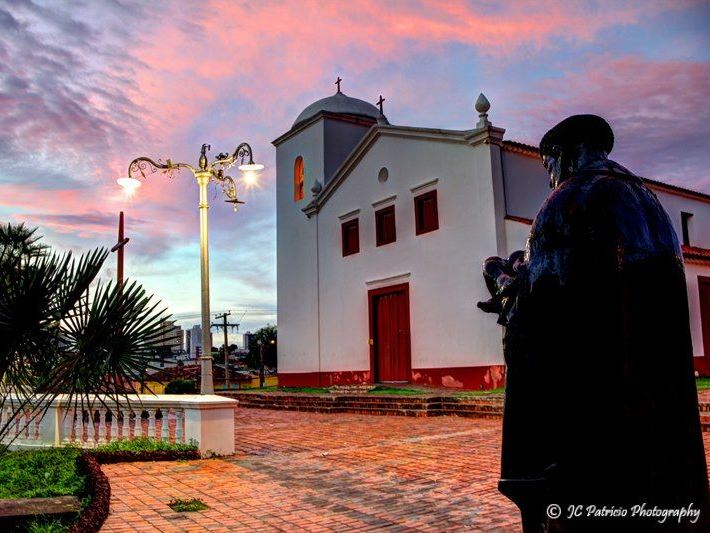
[(68, 423), (36, 419), (102, 425), (151, 422), (165, 423), (179, 425), (144, 423), (91, 429), (25, 424), (125, 424)]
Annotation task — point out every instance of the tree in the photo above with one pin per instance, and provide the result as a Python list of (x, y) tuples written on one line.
[(265, 335), (62, 331)]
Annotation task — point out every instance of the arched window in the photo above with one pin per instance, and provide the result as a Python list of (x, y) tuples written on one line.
[(299, 179)]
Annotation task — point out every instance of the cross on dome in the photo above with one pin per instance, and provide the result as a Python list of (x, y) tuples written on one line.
[(379, 104)]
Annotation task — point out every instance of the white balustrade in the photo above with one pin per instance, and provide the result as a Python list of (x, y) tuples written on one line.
[(205, 419)]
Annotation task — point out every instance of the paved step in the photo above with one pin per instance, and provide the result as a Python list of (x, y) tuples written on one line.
[(394, 405), (383, 405)]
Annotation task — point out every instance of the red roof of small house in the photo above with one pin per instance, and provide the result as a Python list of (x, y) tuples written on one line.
[(165, 375)]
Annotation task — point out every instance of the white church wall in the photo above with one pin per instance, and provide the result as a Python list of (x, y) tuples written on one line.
[(692, 271), (699, 233), (297, 286), (526, 184), (442, 267), (698, 225), (516, 235)]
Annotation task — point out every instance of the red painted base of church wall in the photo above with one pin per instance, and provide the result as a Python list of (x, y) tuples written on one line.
[(471, 377), (702, 365), (464, 377)]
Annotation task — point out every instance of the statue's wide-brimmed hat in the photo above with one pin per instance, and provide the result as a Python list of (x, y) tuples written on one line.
[(590, 129)]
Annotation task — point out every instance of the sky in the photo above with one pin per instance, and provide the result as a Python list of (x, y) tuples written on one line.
[(86, 86)]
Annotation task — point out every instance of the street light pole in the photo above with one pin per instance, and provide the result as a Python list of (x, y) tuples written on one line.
[(206, 381), (204, 173)]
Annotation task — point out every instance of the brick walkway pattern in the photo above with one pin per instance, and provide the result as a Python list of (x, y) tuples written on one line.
[(324, 472)]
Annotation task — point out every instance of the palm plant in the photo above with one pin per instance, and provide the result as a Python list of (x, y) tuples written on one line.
[(59, 339)]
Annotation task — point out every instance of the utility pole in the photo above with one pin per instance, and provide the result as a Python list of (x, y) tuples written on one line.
[(224, 325), (118, 247)]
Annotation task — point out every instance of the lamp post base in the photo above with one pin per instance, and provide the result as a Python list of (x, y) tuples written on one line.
[(206, 383)]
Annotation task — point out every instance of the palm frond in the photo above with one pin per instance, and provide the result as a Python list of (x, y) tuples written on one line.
[(59, 339)]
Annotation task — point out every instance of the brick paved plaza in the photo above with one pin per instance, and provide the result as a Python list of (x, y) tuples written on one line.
[(324, 472)]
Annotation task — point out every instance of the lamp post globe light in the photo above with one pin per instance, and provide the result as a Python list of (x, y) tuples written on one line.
[(204, 173)]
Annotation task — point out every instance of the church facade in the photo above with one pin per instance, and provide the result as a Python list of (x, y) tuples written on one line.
[(381, 233)]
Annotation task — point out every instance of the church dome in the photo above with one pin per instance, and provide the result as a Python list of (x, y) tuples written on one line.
[(341, 105)]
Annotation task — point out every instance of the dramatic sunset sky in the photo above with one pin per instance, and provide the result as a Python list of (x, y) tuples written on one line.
[(87, 86)]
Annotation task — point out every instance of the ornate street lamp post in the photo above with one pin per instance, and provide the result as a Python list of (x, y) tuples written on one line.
[(204, 173)]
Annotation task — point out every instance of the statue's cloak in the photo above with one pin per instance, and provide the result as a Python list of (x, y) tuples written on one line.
[(601, 406)]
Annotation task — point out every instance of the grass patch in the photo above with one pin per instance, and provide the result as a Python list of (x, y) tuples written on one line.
[(470, 393), (47, 525), (187, 506), (40, 473), (399, 391), (145, 444), (303, 390), (384, 390), (703, 383)]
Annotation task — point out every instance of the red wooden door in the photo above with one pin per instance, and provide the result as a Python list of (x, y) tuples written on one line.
[(704, 285), (389, 324)]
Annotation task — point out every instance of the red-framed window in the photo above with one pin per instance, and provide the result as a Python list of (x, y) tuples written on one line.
[(426, 212), (351, 237), (385, 228)]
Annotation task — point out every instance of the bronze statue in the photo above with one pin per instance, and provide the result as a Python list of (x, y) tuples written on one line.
[(601, 410)]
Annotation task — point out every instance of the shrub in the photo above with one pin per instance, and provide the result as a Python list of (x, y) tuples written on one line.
[(145, 444), (181, 386), (94, 515), (144, 449)]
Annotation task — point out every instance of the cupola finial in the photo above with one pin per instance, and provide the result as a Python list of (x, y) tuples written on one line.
[(482, 106), (337, 83)]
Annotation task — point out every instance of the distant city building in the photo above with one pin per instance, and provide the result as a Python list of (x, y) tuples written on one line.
[(196, 340), (170, 339), (246, 339), (186, 345)]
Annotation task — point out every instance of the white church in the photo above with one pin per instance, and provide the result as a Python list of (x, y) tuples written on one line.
[(381, 233)]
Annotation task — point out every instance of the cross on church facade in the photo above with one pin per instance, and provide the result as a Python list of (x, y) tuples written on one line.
[(337, 82), (379, 104)]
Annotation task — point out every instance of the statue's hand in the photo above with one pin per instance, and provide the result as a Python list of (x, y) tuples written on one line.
[(500, 277)]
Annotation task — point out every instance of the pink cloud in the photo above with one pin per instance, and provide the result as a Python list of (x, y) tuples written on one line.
[(658, 109)]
